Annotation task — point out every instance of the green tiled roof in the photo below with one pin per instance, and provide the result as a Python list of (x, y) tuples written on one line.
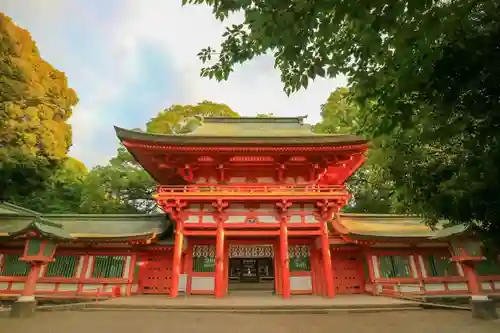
[(86, 226), (111, 226), (448, 232), (246, 130), (381, 226), (8, 208), (45, 227)]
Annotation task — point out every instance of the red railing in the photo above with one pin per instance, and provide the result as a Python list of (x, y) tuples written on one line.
[(251, 188)]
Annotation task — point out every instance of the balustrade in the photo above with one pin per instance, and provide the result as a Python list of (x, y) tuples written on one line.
[(253, 188)]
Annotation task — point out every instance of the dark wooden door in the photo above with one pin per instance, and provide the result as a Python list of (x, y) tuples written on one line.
[(155, 273), (348, 269)]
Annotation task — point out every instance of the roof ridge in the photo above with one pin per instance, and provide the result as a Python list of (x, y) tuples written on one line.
[(287, 120), (15, 209)]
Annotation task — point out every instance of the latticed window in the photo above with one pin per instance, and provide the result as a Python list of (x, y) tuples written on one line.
[(203, 258), (394, 266), (62, 266), (488, 267), (108, 266), (12, 266), (300, 258), (440, 266)]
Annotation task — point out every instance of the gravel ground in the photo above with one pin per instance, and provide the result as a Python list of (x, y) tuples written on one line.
[(426, 321)]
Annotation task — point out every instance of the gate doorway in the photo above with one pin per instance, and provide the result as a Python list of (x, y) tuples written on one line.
[(155, 273), (251, 267), (251, 274)]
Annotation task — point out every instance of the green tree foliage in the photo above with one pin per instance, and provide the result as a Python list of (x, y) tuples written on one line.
[(35, 104), (62, 192), (265, 115), (371, 191), (425, 73), (123, 186), (179, 119)]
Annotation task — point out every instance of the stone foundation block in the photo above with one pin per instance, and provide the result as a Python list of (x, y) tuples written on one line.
[(23, 308), (483, 308)]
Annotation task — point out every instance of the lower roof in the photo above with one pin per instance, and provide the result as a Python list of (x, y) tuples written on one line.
[(392, 227), (87, 226), (120, 227)]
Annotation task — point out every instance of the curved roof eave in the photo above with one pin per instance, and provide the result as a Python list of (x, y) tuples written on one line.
[(188, 140)]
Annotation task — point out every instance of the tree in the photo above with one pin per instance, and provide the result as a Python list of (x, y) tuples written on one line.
[(123, 186), (424, 73), (35, 104), (62, 192), (370, 189), (265, 115), (185, 118)]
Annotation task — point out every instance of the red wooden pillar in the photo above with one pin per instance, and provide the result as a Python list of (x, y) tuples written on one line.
[(177, 260), (226, 268), (276, 261), (219, 261), (312, 260), (327, 260), (285, 264), (30, 284), (472, 280)]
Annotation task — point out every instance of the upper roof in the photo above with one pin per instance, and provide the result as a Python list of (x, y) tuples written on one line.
[(287, 131), (83, 226)]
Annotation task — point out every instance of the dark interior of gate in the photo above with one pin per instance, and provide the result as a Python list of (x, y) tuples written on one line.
[(251, 274)]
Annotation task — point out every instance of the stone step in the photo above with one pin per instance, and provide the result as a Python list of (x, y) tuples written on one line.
[(246, 307), (248, 310)]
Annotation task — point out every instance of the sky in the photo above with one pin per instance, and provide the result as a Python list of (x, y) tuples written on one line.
[(130, 59)]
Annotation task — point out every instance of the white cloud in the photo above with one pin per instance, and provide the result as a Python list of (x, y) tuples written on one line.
[(251, 89), (179, 33)]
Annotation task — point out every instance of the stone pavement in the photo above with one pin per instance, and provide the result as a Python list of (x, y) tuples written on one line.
[(256, 302), (425, 321)]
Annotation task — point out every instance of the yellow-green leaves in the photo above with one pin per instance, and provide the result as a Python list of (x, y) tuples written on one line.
[(35, 103)]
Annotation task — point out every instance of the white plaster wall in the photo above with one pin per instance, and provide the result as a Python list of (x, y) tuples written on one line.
[(45, 287), (376, 271), (456, 286), (68, 287), (300, 283), (17, 286), (90, 264), (79, 267), (434, 287), (192, 219), (422, 266), (92, 287), (207, 219), (202, 283), (413, 266), (310, 219), (486, 286), (182, 282), (126, 270), (409, 288)]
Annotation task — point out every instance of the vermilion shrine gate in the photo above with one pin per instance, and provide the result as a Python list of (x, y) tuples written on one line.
[(255, 203)]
